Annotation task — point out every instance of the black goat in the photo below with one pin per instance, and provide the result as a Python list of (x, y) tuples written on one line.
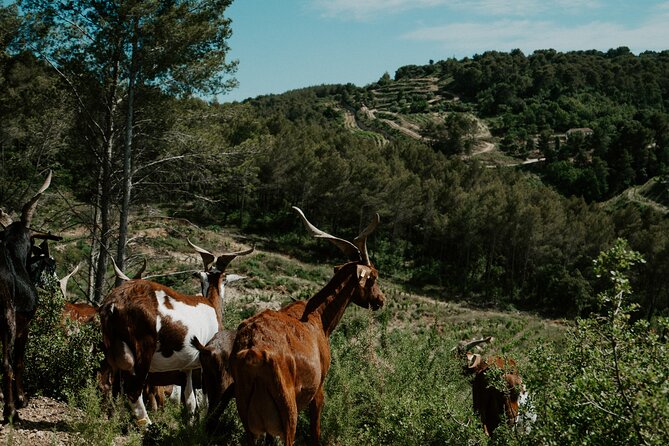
[(18, 297)]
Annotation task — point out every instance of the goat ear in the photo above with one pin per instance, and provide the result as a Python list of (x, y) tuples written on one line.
[(364, 273), (473, 360)]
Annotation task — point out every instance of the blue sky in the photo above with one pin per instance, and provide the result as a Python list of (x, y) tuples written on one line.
[(288, 44)]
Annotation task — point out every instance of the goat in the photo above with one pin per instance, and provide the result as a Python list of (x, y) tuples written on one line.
[(214, 349), (280, 359), (493, 399), (147, 327), (18, 298), (217, 381), (160, 384), (80, 312)]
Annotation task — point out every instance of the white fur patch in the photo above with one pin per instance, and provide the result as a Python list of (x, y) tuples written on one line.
[(200, 321)]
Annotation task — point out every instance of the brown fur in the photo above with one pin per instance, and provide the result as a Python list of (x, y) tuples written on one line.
[(80, 312), (217, 381), (280, 358), (489, 402)]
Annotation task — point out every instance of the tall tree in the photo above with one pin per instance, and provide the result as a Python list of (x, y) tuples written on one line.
[(110, 51)]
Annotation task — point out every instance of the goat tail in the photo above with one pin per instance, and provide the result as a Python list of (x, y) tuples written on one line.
[(195, 342), (121, 357)]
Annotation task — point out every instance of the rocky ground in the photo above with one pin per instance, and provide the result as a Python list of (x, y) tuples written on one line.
[(43, 422)]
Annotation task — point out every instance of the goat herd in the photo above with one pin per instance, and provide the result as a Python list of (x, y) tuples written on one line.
[(274, 365)]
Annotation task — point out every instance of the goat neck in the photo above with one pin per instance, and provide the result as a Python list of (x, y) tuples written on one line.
[(330, 303), (214, 292)]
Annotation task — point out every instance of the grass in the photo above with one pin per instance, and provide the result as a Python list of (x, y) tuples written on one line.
[(393, 378)]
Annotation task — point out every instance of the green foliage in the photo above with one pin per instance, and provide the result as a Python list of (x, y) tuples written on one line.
[(610, 387), (61, 357), (100, 422), (391, 387)]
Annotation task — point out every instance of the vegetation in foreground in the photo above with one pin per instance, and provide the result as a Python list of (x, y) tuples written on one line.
[(394, 379)]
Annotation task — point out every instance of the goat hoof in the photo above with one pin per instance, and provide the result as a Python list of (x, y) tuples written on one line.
[(143, 422)]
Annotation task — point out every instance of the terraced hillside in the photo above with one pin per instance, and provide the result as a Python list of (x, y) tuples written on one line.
[(408, 108)]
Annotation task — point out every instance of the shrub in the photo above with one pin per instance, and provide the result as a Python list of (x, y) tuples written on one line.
[(608, 385), (58, 363)]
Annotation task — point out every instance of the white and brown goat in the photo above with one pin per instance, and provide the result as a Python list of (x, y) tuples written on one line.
[(147, 327), (280, 358)]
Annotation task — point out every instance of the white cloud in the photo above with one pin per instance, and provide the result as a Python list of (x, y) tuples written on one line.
[(529, 35), (365, 9)]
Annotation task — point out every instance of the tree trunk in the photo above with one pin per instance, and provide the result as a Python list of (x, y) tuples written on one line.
[(105, 218), (127, 163), (95, 242), (106, 183)]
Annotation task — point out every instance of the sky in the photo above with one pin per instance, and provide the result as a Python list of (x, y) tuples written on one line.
[(282, 45)]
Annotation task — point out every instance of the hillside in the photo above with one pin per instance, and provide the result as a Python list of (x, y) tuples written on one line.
[(272, 279), (490, 173)]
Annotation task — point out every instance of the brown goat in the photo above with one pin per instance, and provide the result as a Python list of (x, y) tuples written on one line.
[(497, 386), (217, 381), (280, 359)]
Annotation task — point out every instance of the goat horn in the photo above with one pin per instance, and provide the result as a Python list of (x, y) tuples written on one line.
[(361, 240), (29, 208), (473, 343), (120, 274), (44, 235), (64, 280), (348, 248), (138, 274), (207, 257), (224, 259)]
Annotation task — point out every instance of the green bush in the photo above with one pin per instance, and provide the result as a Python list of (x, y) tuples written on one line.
[(60, 357), (393, 387), (608, 384)]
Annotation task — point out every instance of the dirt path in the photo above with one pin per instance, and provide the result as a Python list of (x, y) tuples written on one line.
[(43, 423), (634, 195)]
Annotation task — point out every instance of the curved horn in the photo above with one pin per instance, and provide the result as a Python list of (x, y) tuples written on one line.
[(348, 248), (467, 346), (29, 208), (361, 240), (44, 235), (224, 259), (138, 274), (5, 219), (207, 257), (120, 274), (63, 281)]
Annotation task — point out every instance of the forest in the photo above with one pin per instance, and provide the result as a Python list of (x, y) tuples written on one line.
[(511, 237), (132, 118)]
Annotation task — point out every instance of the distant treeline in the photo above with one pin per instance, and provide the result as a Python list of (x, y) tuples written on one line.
[(492, 236)]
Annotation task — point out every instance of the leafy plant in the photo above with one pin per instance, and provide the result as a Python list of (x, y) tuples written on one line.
[(61, 355), (608, 385)]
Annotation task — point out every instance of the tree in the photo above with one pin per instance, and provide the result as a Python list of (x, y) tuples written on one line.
[(107, 52)]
